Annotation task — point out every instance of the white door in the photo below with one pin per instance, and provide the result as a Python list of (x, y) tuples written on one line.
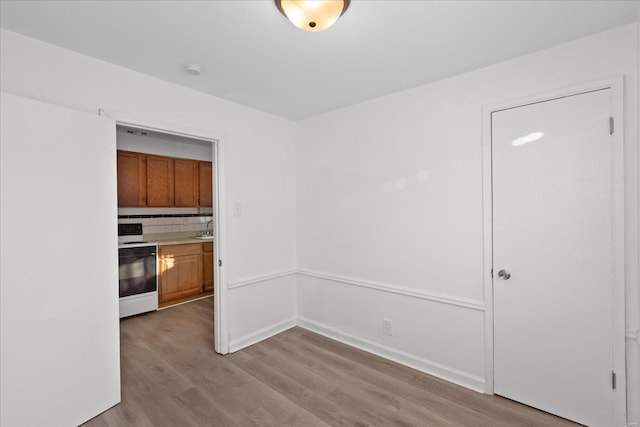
[(553, 234), (59, 352)]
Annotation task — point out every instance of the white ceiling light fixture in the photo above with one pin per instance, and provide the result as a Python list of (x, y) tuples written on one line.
[(312, 15), (192, 69)]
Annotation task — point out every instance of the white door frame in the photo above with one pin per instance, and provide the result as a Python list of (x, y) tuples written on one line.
[(616, 85), (220, 325)]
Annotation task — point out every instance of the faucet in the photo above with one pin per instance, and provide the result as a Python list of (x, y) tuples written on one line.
[(207, 232)]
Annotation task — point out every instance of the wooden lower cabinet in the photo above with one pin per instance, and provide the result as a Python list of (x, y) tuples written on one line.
[(207, 263), (180, 271), (185, 272)]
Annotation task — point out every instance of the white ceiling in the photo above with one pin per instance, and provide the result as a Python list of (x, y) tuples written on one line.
[(253, 56)]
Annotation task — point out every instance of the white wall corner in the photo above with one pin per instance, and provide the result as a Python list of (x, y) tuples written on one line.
[(236, 344)]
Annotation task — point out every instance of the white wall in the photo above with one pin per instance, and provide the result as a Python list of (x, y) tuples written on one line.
[(59, 339), (249, 296), (390, 208), (259, 155)]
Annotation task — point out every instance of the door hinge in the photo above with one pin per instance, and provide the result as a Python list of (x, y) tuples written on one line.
[(610, 125), (219, 263), (613, 380)]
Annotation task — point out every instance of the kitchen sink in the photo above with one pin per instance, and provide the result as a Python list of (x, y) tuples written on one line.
[(204, 237)]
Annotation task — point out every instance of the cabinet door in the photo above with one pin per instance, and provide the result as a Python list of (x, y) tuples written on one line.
[(186, 182), (207, 265), (180, 275), (132, 180), (205, 184), (159, 181)]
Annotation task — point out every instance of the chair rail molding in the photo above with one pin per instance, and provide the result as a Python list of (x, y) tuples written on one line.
[(261, 278), (399, 290)]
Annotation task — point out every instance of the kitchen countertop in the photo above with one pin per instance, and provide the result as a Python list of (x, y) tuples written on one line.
[(174, 239)]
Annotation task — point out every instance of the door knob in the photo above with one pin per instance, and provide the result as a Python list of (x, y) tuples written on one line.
[(504, 275)]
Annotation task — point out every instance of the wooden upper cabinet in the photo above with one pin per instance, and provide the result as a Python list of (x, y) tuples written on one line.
[(186, 182), (132, 179), (159, 181), (205, 198)]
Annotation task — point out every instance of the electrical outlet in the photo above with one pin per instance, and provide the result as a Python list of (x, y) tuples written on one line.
[(387, 327), (237, 209)]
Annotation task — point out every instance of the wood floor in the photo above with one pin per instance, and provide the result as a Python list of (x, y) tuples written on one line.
[(172, 377)]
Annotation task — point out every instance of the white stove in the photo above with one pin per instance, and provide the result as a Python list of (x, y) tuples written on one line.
[(137, 271)]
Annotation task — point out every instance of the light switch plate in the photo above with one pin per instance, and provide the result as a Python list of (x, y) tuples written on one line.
[(237, 209)]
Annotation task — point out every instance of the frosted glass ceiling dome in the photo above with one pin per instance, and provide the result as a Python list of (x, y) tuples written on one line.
[(312, 15)]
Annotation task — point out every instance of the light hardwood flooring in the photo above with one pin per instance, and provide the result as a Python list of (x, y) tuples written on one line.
[(171, 376)]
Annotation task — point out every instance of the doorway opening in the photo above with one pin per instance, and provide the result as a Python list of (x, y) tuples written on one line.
[(174, 195)]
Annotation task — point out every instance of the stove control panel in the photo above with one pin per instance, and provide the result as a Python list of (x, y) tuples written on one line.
[(130, 229)]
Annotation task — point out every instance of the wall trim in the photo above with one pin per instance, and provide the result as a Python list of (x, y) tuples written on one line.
[(261, 278), (261, 334), (439, 370), (399, 290), (160, 126), (414, 293)]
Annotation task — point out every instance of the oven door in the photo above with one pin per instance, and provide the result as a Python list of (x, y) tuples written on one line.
[(137, 270)]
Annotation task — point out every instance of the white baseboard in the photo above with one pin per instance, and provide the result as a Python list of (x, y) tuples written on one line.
[(262, 334), (184, 302), (444, 372)]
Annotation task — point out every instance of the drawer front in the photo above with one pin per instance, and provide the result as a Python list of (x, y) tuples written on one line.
[(186, 249), (207, 247)]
